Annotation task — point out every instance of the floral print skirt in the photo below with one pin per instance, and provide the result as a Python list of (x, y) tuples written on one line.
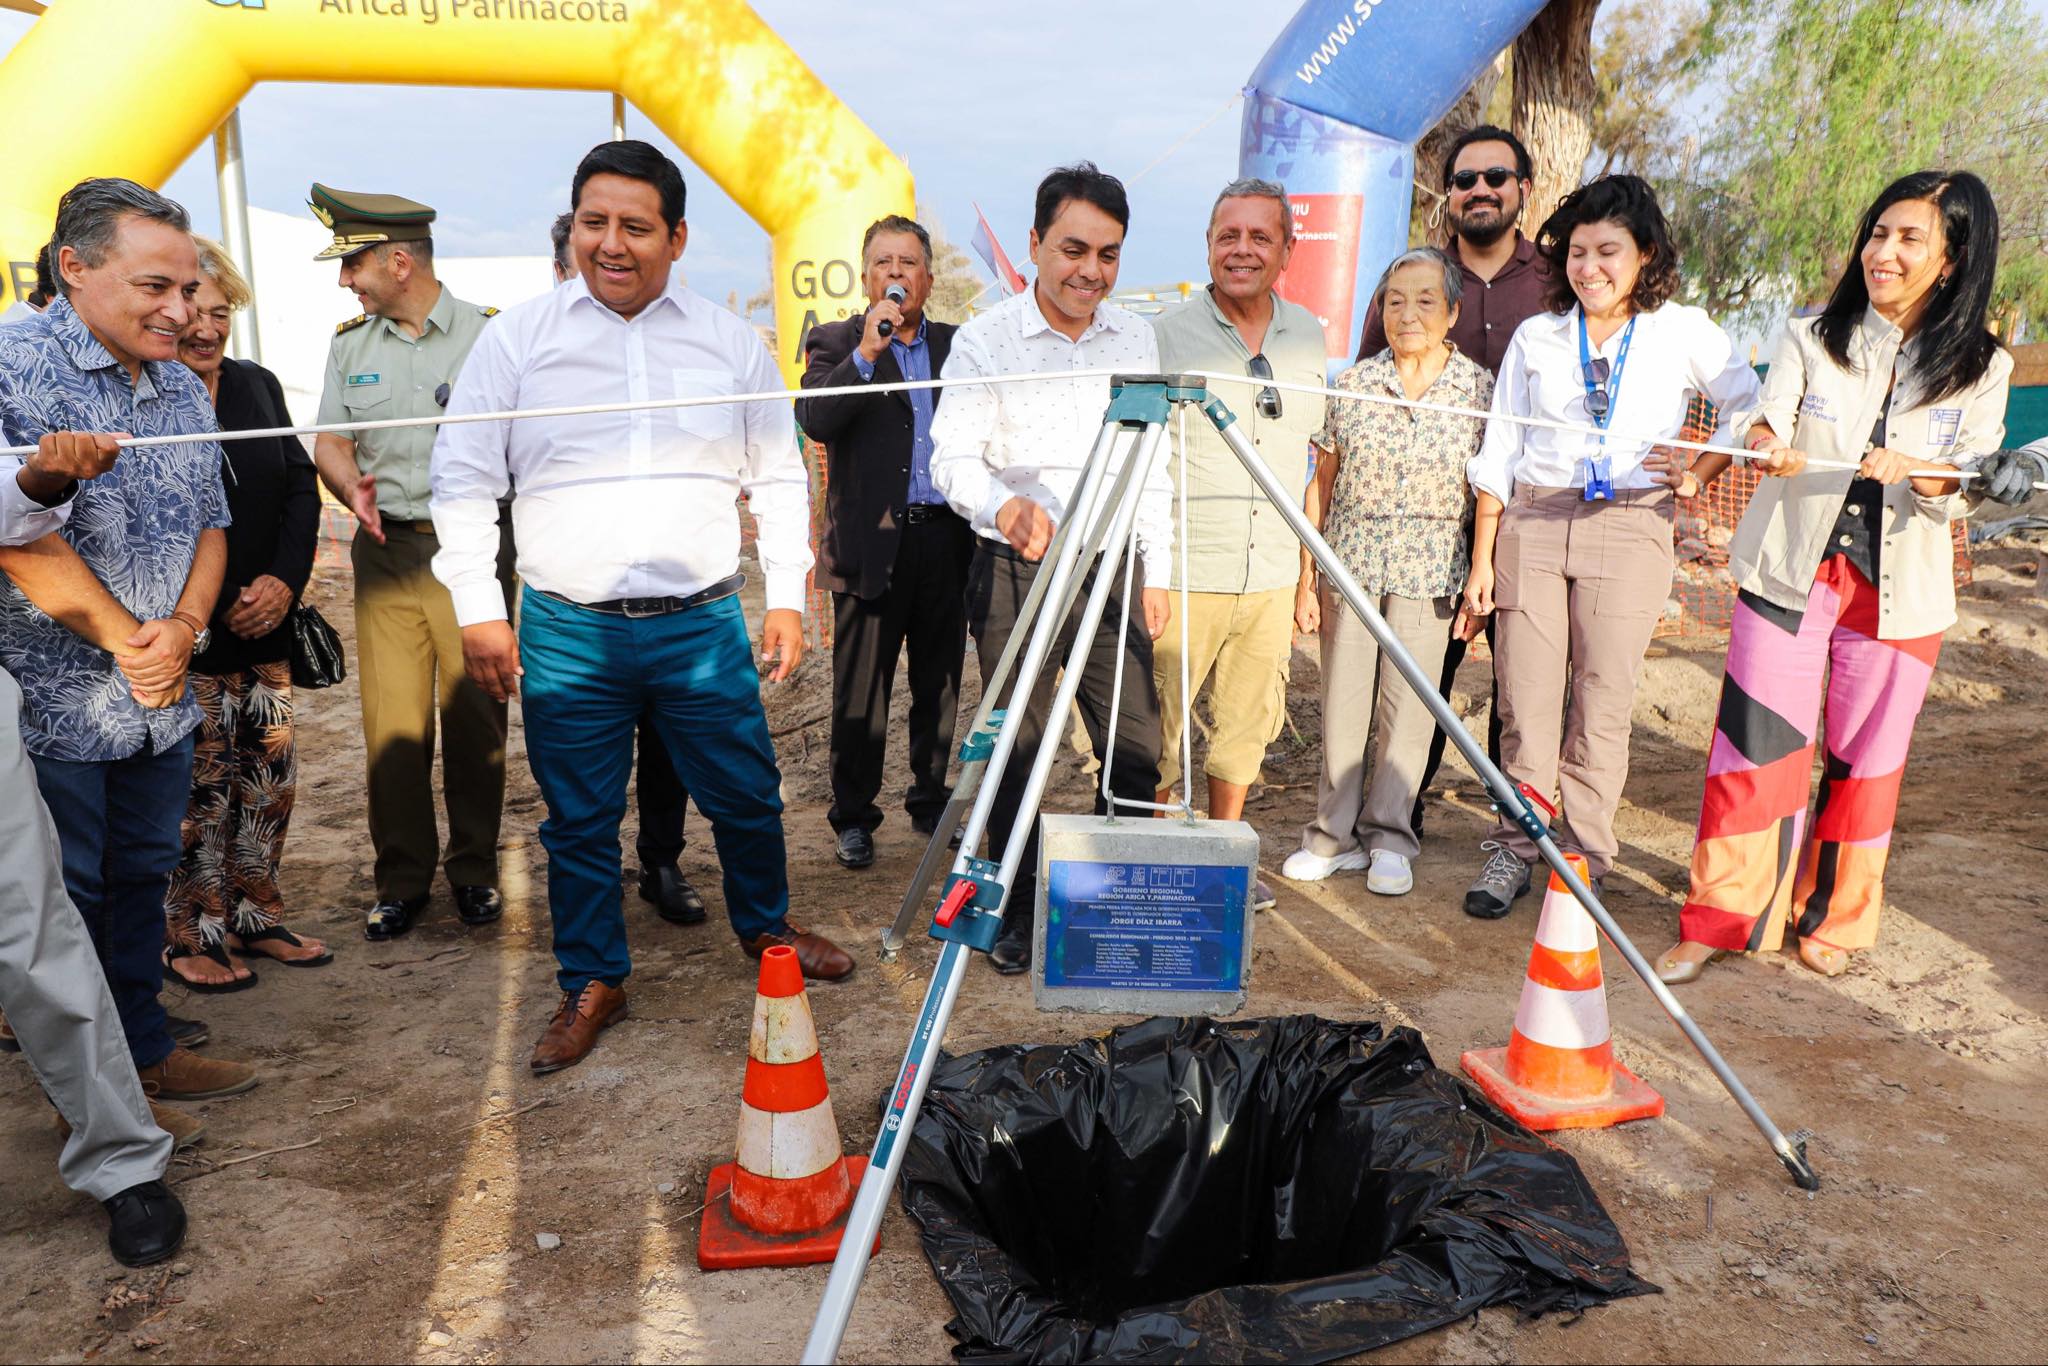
[(244, 775)]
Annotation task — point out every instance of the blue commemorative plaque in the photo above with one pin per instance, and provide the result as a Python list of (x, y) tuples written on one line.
[(1141, 915)]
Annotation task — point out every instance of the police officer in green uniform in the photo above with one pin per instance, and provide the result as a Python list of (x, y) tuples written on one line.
[(399, 358)]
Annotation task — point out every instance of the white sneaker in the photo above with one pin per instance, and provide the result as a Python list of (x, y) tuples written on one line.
[(1389, 875), (1303, 866)]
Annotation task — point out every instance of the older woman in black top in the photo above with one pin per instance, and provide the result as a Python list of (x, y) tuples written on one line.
[(224, 897)]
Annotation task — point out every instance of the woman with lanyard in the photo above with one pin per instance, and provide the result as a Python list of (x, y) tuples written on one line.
[(1572, 535), (1846, 575)]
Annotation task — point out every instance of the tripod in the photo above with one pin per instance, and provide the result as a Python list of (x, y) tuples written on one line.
[(969, 914)]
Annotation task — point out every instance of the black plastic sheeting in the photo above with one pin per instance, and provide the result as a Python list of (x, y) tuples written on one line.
[(1291, 1189)]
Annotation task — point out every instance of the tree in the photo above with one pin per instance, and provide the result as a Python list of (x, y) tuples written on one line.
[(1476, 106), (1643, 73), (1832, 99), (1647, 122), (1553, 104), (955, 285)]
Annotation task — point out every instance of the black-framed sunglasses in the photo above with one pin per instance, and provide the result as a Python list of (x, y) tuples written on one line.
[(1258, 367), (1495, 177), (1598, 400)]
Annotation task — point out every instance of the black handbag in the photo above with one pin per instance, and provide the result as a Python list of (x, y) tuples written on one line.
[(317, 659)]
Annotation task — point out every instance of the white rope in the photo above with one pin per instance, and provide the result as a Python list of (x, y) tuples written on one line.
[(587, 409), (1579, 428), (905, 386)]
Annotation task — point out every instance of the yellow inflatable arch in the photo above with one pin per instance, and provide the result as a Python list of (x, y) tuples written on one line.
[(132, 87)]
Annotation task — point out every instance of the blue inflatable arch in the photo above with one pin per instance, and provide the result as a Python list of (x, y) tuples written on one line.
[(1333, 111)]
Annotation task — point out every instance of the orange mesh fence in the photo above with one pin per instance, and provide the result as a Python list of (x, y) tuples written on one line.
[(1702, 589)]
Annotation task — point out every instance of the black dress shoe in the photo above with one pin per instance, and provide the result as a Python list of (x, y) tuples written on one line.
[(147, 1224), (478, 905), (187, 1033), (1012, 953), (929, 825), (674, 899), (390, 918), (856, 848)]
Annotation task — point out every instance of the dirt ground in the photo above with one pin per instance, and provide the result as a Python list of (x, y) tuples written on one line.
[(380, 1195)]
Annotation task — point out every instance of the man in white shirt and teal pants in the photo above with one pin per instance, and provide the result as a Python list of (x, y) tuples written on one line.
[(629, 544)]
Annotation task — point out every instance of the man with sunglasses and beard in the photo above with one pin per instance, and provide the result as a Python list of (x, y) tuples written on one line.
[(1486, 178), (398, 358), (1242, 560)]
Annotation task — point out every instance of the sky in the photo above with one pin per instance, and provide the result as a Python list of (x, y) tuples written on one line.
[(979, 99)]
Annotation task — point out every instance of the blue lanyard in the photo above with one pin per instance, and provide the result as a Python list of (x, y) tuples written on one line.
[(1599, 472)]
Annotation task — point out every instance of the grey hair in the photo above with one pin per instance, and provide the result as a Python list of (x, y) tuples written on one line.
[(90, 213), (1253, 188), (896, 222), (1454, 279)]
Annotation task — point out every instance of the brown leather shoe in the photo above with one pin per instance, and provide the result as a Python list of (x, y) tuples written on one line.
[(184, 1129), (822, 960), (184, 1075), (578, 1021)]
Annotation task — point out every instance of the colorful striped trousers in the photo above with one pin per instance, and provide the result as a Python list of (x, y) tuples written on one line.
[(1756, 863)]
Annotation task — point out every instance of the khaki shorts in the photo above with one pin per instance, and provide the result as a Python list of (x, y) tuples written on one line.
[(1238, 644)]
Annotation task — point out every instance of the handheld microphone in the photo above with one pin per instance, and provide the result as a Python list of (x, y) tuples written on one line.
[(895, 294)]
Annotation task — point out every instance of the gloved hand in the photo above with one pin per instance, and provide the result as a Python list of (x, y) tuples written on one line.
[(2009, 476)]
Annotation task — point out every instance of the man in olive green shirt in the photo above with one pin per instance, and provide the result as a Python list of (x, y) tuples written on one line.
[(1242, 560), (399, 359)]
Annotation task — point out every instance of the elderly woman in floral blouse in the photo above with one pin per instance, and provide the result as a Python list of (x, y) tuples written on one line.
[(1392, 501)]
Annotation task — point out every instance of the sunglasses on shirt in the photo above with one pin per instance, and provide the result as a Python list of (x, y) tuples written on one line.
[(1258, 367), (1495, 177), (1598, 400)]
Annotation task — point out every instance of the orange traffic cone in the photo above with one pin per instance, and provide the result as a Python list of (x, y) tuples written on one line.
[(1558, 1070), (785, 1201)]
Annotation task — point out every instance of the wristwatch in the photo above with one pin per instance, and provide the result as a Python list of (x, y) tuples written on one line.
[(202, 634)]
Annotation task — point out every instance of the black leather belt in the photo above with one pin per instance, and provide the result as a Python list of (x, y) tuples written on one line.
[(918, 513), (655, 607)]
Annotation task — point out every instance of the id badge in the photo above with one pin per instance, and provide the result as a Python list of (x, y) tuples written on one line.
[(1599, 478)]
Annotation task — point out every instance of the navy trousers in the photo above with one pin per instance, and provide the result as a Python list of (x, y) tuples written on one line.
[(589, 677), (120, 833)]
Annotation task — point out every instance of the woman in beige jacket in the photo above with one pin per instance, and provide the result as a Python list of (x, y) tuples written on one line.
[(1846, 578)]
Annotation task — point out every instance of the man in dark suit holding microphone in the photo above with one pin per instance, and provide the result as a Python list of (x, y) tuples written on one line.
[(893, 554)]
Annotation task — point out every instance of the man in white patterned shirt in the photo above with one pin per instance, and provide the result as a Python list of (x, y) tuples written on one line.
[(629, 544), (1008, 458)]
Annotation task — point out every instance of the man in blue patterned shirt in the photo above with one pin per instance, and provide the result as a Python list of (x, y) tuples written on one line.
[(99, 619)]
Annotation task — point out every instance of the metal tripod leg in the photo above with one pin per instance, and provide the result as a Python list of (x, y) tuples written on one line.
[(980, 741), (1100, 515), (1504, 792)]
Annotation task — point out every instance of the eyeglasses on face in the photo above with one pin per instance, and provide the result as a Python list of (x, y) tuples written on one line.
[(1598, 400), (1495, 177), (1258, 367)]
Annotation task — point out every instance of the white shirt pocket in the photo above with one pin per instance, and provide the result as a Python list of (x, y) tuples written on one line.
[(710, 421)]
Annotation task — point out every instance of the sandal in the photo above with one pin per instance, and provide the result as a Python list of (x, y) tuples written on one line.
[(218, 953), (1674, 970), (279, 932), (1825, 959)]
